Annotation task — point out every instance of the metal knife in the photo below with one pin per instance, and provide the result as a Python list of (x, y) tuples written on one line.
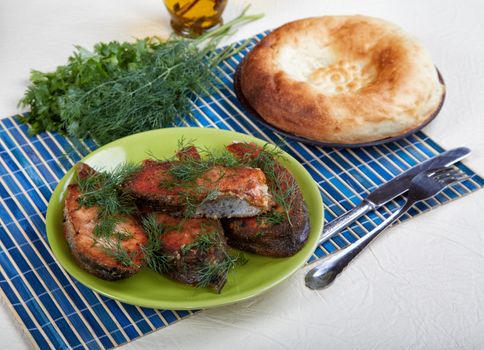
[(392, 189)]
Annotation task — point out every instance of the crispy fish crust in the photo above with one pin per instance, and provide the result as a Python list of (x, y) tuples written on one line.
[(189, 262), (234, 192)]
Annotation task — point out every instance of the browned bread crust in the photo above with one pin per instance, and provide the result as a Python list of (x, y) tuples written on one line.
[(341, 79)]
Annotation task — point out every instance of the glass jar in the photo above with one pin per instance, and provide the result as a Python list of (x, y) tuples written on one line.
[(192, 18)]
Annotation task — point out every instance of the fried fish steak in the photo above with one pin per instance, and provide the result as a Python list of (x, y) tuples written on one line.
[(276, 233), (100, 255), (218, 192), (194, 251)]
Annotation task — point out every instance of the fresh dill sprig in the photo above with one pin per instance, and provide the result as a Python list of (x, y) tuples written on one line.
[(268, 153), (103, 190), (272, 217), (152, 227), (191, 168), (204, 242), (284, 191), (184, 143), (106, 227), (210, 272), (282, 185), (152, 250), (113, 247), (195, 197)]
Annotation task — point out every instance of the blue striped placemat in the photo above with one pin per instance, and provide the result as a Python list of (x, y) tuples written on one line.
[(58, 312)]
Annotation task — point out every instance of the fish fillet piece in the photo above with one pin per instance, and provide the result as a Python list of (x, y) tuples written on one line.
[(101, 256), (275, 233), (194, 251), (218, 192), (92, 253)]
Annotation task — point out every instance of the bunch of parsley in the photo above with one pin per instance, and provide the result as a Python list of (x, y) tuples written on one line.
[(122, 88)]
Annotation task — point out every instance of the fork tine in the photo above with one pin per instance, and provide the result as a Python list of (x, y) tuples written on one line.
[(449, 181), (452, 174), (457, 171), (454, 171), (444, 174), (449, 177), (463, 178), (439, 171), (452, 180)]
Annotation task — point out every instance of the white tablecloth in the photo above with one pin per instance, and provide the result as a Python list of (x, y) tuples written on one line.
[(420, 286)]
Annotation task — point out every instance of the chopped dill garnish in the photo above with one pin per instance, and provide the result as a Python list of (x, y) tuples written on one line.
[(106, 227), (152, 250), (272, 217), (103, 189), (204, 242), (192, 200), (210, 271), (114, 248)]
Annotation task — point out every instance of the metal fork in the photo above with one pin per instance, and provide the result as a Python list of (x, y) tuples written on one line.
[(423, 186)]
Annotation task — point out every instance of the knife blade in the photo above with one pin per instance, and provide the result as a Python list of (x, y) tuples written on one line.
[(392, 189)]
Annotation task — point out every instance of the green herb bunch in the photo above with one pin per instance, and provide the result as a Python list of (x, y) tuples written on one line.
[(47, 93), (123, 88)]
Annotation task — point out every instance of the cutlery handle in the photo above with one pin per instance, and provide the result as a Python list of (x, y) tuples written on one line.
[(332, 228), (324, 274)]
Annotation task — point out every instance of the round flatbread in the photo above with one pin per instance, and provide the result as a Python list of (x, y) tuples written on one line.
[(341, 79)]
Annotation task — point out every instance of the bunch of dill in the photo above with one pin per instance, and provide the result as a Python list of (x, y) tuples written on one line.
[(124, 88)]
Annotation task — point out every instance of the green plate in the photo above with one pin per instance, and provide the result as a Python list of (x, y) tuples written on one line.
[(150, 289)]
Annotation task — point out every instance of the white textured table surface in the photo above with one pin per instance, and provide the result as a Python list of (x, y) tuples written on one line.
[(421, 286)]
